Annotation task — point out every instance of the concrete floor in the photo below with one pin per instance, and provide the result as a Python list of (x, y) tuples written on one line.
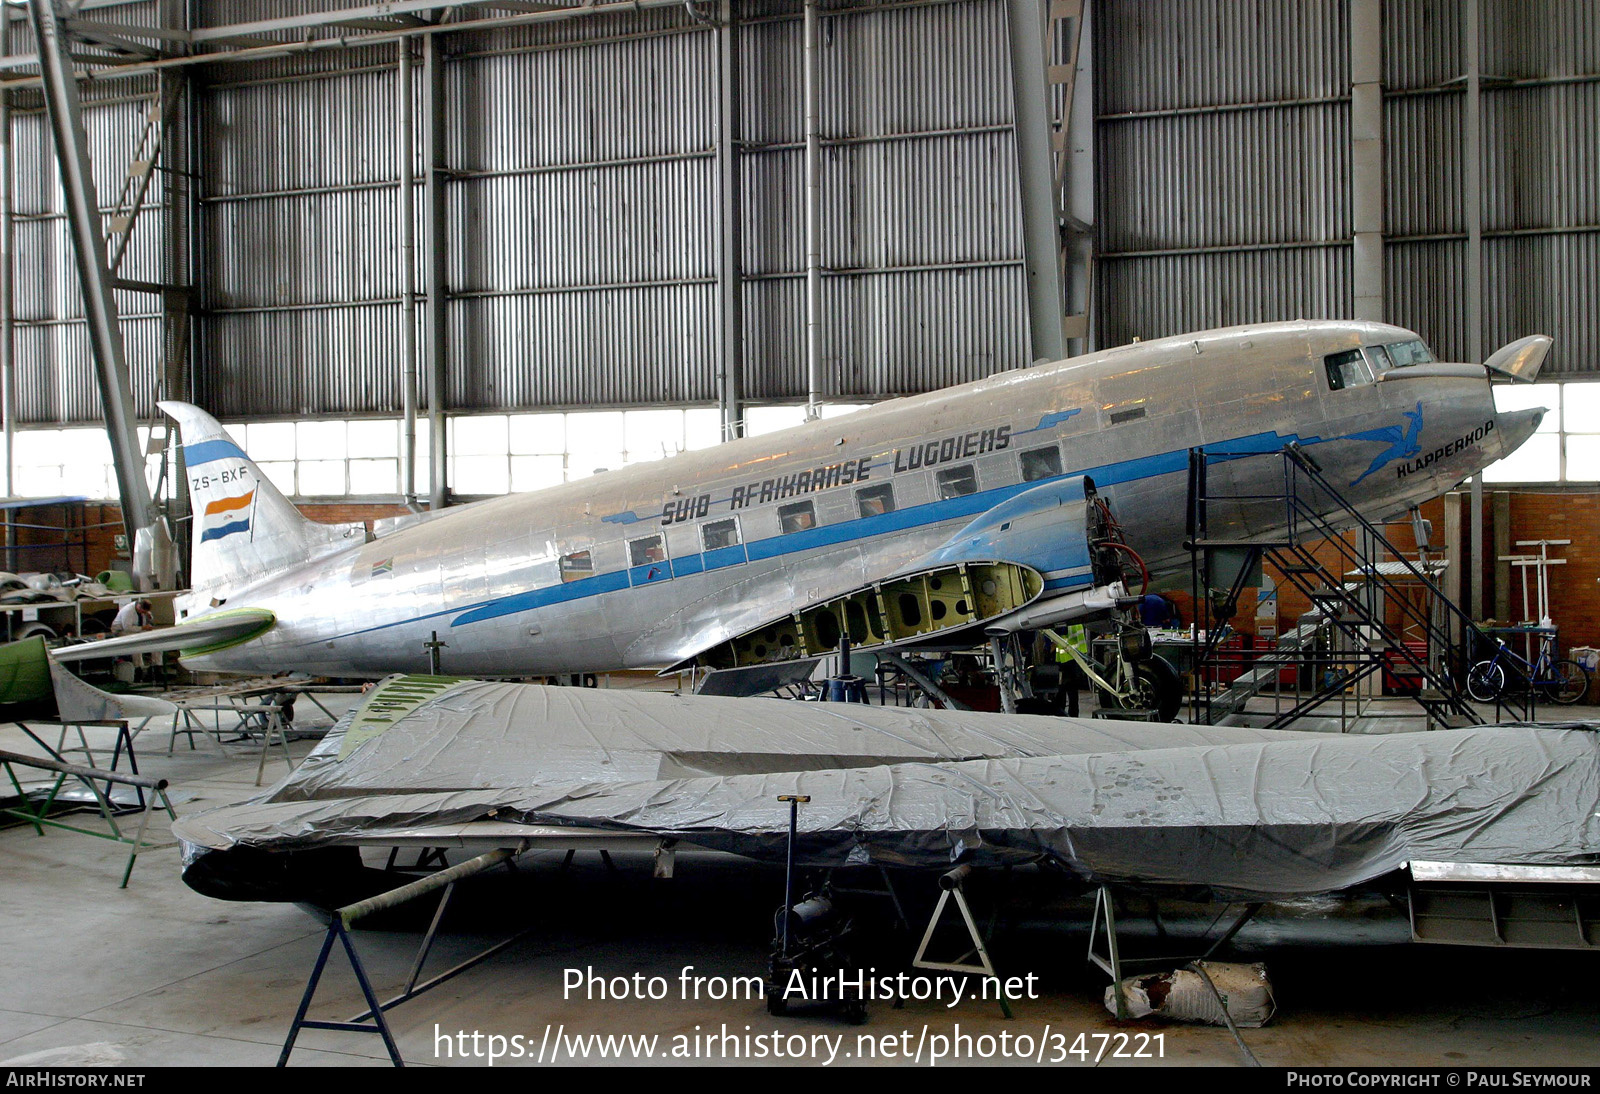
[(157, 974)]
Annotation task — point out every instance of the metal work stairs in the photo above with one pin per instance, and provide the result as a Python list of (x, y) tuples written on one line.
[(1265, 671), (1314, 512)]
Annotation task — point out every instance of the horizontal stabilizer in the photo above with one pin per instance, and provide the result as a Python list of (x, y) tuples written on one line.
[(200, 636)]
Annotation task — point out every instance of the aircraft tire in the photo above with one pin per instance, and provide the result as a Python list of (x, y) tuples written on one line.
[(1570, 682), (1160, 689), (1161, 681), (1485, 681)]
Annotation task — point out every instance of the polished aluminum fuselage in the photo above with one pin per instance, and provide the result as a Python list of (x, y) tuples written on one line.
[(486, 578)]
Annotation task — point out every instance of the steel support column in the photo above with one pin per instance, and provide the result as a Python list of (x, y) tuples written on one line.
[(1041, 213), (8, 363), (83, 215), (1472, 160), (406, 211), (730, 289), (1074, 142), (436, 269), (813, 168), (1366, 156)]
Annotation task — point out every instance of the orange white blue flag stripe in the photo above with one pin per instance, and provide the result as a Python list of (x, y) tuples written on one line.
[(226, 516)]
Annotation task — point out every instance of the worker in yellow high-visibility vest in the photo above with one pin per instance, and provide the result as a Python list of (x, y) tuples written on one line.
[(1072, 677)]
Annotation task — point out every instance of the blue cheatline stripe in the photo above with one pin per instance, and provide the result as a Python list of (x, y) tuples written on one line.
[(1123, 471), (533, 598), (648, 574), (225, 530), (198, 455)]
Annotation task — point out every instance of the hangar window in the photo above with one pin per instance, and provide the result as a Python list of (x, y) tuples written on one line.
[(644, 551), (720, 533), (1347, 369), (1041, 463), (872, 501), (797, 517), (957, 482), (577, 566)]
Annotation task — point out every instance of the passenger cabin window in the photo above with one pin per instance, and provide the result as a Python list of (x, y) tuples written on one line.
[(797, 517), (577, 566), (1347, 369), (1041, 463), (649, 549), (956, 482), (1409, 353), (872, 501), (720, 533)]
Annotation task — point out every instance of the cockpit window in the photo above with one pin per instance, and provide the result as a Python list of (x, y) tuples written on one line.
[(1378, 358), (1347, 369), (1409, 353)]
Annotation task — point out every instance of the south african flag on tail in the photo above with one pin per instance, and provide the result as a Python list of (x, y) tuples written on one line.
[(225, 516)]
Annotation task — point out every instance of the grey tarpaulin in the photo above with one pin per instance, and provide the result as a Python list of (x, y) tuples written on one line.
[(1237, 810)]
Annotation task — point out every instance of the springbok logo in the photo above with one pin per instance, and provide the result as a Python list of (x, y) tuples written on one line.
[(1402, 442)]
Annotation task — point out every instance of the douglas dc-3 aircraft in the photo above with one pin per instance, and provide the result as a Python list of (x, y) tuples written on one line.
[(969, 511)]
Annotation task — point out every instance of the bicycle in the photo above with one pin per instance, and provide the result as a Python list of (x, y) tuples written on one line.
[(1560, 680)]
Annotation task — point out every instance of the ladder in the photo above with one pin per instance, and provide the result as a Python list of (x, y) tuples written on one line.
[(1313, 518)]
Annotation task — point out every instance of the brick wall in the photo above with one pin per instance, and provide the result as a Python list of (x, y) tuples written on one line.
[(1575, 587), (349, 512), (74, 538), (101, 522), (1292, 603)]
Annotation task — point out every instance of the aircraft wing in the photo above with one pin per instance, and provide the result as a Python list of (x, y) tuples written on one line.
[(1034, 545), (201, 635), (485, 764)]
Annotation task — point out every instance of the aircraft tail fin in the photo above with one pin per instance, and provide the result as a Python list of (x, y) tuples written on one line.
[(244, 528)]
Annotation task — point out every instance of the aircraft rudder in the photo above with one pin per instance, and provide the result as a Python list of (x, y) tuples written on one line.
[(244, 527)]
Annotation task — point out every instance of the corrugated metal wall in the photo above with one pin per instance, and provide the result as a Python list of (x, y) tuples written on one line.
[(582, 215), (1541, 186), (1223, 139), (582, 200), (55, 369), (1223, 131)]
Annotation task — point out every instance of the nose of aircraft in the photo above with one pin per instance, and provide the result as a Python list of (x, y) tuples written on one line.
[(1515, 426)]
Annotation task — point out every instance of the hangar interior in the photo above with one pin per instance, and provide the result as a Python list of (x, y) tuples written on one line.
[(422, 253)]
